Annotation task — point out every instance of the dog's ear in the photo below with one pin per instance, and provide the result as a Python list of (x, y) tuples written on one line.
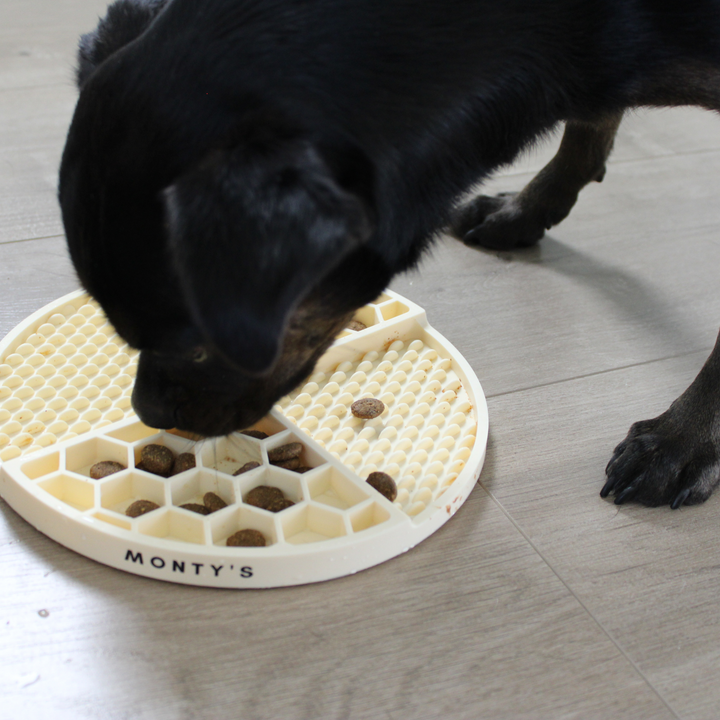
[(125, 20), (251, 231)]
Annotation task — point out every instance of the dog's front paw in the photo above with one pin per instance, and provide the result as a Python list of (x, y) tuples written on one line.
[(496, 222), (663, 462)]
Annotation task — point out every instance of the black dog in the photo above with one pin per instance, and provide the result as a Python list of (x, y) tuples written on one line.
[(241, 175)]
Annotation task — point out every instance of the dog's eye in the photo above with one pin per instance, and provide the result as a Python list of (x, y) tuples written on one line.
[(200, 354)]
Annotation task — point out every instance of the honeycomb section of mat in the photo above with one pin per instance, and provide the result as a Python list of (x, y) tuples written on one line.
[(68, 374), (328, 504), (422, 439)]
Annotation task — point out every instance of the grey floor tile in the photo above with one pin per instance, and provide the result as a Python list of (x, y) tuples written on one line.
[(649, 576)]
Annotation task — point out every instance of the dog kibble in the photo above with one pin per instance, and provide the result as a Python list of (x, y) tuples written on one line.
[(257, 434), (263, 496), (384, 484), (183, 462), (285, 452), (104, 468), (247, 538), (140, 507), (279, 505), (213, 502), (367, 408), (157, 459), (356, 325), (302, 469), (246, 467), (291, 464), (196, 508)]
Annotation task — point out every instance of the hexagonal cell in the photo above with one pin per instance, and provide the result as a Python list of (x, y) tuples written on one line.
[(367, 316), (191, 487), (311, 523), (133, 433), (42, 466), (173, 525), (268, 425), (368, 516), (308, 458), (330, 487), (82, 456), (176, 445), (185, 434), (229, 454), (286, 481), (393, 310), (77, 493), (119, 491), (242, 518)]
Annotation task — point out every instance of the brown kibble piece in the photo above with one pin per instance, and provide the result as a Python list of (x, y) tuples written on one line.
[(246, 467), (104, 468), (196, 508), (140, 507), (285, 452), (157, 459), (367, 408), (384, 484), (291, 464), (183, 462), (302, 469), (247, 538), (279, 505), (257, 434), (263, 496), (356, 325), (213, 502)]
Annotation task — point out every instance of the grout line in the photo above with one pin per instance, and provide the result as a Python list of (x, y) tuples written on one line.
[(22, 240), (599, 372), (581, 603)]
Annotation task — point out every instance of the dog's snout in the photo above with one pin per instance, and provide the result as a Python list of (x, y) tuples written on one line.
[(153, 416), (209, 403), (150, 399), (152, 411)]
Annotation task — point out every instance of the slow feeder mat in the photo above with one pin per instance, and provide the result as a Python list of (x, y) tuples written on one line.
[(65, 385)]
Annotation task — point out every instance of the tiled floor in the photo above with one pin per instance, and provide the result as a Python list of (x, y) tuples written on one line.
[(539, 599)]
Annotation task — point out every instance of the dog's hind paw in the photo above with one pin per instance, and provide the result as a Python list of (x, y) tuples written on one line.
[(659, 464), (496, 222)]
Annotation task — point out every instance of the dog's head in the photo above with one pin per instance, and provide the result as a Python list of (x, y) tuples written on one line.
[(231, 258)]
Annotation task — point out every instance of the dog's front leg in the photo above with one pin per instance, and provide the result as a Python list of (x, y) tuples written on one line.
[(674, 458), (512, 220)]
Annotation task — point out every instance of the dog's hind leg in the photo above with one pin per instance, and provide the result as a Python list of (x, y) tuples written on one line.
[(512, 220)]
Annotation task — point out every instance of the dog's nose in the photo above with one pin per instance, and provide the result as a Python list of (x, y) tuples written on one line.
[(152, 414), (150, 397)]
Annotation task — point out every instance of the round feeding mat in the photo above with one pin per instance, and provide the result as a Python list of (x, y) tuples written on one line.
[(65, 384)]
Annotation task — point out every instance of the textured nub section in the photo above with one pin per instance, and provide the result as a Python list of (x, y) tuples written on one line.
[(422, 435), (67, 374)]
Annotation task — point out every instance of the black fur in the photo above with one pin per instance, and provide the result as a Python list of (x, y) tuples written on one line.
[(124, 22), (240, 175)]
